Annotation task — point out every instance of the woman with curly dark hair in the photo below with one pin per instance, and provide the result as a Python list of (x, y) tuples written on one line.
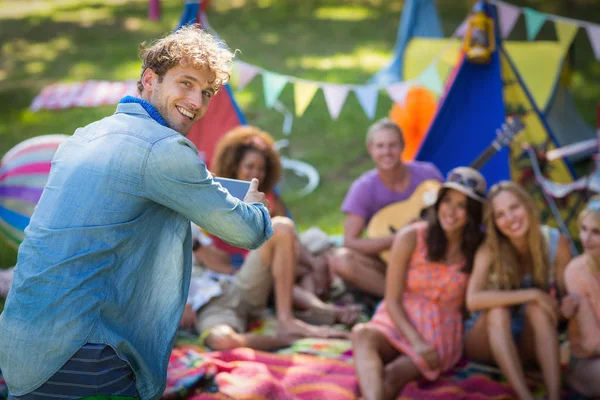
[(247, 152)]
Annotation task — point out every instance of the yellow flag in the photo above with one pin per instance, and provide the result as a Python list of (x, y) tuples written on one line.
[(303, 94), (565, 32)]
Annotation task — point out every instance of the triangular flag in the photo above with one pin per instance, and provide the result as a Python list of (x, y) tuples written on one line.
[(398, 91), (335, 97), (430, 79), (508, 16), (246, 73), (303, 94), (273, 85), (460, 31), (533, 22), (594, 36), (367, 97), (565, 32)]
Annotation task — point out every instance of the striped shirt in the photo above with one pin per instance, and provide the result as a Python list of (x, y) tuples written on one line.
[(94, 370)]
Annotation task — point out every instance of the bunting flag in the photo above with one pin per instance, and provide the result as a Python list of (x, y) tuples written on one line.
[(430, 79), (533, 22), (304, 91), (335, 97), (367, 97), (566, 28), (246, 72), (565, 32), (398, 91), (461, 30), (594, 36), (273, 85), (508, 15)]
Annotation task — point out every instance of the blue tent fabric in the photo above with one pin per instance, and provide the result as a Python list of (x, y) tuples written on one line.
[(465, 123), (419, 19), (469, 115), (190, 13)]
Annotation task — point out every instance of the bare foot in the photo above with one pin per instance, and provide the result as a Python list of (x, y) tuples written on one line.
[(297, 329), (348, 314), (329, 314)]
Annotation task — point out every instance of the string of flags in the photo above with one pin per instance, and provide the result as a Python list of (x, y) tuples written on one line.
[(335, 94), (95, 93), (566, 28), (367, 95)]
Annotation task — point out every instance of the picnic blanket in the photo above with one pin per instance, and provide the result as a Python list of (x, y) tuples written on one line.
[(245, 373), (311, 369)]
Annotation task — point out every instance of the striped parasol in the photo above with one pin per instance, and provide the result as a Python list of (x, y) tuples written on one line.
[(23, 174)]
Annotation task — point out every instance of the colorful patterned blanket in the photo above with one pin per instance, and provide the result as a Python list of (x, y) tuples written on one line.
[(320, 369), (310, 369)]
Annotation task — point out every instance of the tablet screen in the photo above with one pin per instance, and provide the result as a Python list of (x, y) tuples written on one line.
[(235, 187)]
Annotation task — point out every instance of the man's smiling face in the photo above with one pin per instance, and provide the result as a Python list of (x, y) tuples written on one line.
[(181, 96)]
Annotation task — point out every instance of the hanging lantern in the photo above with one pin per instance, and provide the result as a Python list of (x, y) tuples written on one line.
[(480, 41)]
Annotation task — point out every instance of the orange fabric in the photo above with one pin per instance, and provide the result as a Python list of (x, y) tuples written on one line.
[(433, 300), (414, 117)]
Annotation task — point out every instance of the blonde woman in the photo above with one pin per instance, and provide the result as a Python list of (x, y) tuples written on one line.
[(582, 279), (513, 291)]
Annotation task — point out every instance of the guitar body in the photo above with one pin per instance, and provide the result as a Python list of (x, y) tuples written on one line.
[(395, 216)]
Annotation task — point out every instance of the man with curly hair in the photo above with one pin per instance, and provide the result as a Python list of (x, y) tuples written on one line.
[(102, 276)]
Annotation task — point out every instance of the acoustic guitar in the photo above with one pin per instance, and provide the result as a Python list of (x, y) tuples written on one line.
[(396, 215)]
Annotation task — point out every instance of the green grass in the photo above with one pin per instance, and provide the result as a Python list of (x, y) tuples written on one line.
[(326, 40)]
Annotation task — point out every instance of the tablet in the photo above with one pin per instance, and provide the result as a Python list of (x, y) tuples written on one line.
[(235, 187)]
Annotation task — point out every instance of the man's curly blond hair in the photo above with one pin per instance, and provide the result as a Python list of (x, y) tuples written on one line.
[(188, 46)]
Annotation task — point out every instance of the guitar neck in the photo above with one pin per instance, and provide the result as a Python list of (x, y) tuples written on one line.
[(485, 156)]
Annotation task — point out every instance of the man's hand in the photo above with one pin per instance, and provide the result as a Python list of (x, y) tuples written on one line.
[(254, 196), (189, 318)]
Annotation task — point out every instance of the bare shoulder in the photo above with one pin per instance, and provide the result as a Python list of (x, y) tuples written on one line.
[(408, 235), (483, 255), (576, 264)]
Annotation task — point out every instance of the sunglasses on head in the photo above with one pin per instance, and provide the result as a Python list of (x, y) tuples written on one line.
[(470, 182)]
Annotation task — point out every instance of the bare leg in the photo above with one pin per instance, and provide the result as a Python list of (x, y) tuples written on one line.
[(223, 337), (583, 377), (541, 335), (397, 374), (365, 272), (371, 350), (491, 336), (281, 253)]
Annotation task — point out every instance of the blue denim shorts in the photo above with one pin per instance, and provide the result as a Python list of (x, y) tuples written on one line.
[(517, 321), (94, 370)]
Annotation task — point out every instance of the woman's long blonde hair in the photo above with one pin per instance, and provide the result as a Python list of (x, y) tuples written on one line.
[(508, 268), (592, 209)]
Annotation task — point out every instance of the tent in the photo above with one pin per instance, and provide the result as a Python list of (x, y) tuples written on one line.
[(476, 103), (420, 41), (223, 113), (419, 19)]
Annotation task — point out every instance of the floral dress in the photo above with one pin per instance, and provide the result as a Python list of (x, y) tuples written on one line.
[(433, 300)]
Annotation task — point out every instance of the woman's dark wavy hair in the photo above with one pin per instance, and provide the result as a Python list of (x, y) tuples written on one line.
[(472, 234), (234, 145)]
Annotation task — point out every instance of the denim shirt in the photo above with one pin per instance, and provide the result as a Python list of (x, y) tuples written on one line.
[(107, 255)]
